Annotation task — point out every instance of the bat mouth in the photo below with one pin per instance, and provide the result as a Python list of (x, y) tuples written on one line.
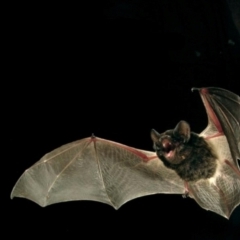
[(168, 148)]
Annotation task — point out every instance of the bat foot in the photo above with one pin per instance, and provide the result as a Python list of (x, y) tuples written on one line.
[(186, 194)]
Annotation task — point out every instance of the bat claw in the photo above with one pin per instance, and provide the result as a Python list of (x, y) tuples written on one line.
[(194, 89)]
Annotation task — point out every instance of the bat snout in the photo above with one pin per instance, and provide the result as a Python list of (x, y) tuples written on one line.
[(167, 145)]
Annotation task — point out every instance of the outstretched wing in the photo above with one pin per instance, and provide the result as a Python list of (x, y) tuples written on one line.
[(96, 169), (221, 194)]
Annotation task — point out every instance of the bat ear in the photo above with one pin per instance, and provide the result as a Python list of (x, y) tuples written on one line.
[(155, 136), (183, 131)]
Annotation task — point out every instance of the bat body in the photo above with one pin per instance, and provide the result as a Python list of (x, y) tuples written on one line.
[(204, 166)]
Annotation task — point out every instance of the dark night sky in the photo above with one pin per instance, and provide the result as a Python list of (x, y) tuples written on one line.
[(116, 70)]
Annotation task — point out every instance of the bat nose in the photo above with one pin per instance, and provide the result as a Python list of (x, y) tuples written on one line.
[(165, 138)]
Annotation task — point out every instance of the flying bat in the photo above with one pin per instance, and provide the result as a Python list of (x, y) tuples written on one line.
[(202, 166)]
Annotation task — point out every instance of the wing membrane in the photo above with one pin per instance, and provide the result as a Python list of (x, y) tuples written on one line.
[(99, 170)]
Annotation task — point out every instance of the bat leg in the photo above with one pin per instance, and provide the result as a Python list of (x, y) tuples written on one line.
[(186, 193)]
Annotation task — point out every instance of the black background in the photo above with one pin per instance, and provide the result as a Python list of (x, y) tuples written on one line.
[(115, 69)]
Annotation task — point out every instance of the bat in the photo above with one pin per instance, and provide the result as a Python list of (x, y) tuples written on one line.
[(201, 166)]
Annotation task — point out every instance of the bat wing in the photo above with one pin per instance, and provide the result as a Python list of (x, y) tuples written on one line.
[(96, 169), (221, 193), (223, 110)]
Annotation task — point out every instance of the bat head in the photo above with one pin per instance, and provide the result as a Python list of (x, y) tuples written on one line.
[(171, 146)]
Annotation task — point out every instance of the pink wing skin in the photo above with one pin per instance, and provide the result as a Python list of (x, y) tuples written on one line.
[(96, 169)]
